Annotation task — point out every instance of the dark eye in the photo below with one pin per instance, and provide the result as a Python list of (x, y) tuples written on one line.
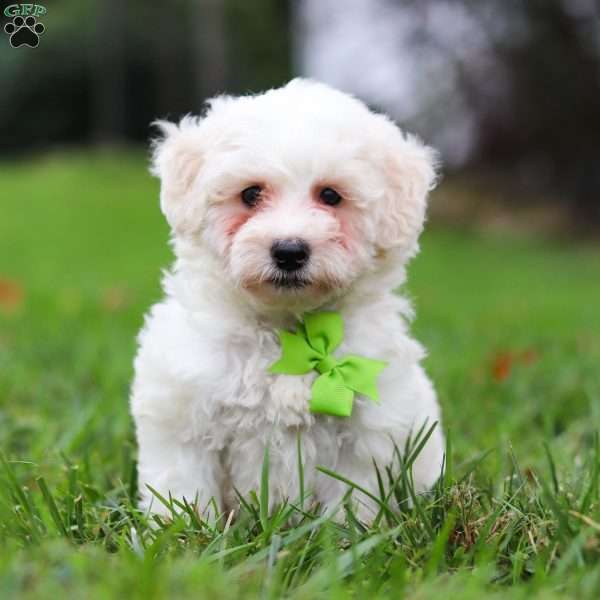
[(329, 196), (251, 195)]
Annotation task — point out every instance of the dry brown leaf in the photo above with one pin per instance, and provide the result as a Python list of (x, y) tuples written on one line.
[(115, 298), (12, 296), (502, 366)]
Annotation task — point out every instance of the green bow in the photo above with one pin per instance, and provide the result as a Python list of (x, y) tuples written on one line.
[(310, 348)]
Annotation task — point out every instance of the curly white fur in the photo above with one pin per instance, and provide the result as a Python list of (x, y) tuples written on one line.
[(203, 400)]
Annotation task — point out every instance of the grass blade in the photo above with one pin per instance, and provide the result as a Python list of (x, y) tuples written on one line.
[(264, 491), (51, 504)]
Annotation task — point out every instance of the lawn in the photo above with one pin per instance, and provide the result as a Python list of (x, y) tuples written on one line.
[(512, 326)]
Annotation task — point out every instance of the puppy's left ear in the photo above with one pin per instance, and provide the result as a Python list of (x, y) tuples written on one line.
[(409, 169), (177, 159)]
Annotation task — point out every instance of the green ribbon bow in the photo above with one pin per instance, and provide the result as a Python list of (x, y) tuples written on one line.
[(311, 348)]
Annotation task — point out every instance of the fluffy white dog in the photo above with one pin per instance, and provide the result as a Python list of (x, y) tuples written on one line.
[(299, 199)]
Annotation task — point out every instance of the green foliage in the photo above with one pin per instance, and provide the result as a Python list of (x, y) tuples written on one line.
[(105, 69), (260, 40), (512, 328)]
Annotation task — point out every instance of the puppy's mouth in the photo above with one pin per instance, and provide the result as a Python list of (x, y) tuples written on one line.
[(289, 281)]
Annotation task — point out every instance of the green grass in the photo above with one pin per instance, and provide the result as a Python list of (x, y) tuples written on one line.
[(512, 326)]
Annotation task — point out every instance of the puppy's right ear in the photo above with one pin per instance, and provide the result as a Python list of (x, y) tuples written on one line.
[(177, 159)]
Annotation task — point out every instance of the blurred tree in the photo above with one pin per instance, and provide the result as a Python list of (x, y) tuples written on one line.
[(171, 69), (552, 120), (105, 69), (529, 81), (523, 76), (209, 47), (260, 43), (107, 66)]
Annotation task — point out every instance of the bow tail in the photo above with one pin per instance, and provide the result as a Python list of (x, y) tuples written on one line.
[(330, 396), (360, 374)]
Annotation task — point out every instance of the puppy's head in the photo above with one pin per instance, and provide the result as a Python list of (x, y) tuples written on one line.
[(297, 193)]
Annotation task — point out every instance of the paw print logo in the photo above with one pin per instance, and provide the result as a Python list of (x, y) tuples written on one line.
[(24, 32)]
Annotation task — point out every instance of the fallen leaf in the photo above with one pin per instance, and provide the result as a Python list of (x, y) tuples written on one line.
[(12, 296), (115, 298), (502, 366), (529, 356)]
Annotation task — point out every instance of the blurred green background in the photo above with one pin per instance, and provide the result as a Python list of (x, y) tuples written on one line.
[(507, 286), (511, 325)]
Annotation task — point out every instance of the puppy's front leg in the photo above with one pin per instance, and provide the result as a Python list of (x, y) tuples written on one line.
[(177, 467), (355, 463), (373, 439), (245, 461)]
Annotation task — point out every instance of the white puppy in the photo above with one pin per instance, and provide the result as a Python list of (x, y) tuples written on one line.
[(299, 199)]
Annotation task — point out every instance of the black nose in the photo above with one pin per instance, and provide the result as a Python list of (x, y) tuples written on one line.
[(290, 255)]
